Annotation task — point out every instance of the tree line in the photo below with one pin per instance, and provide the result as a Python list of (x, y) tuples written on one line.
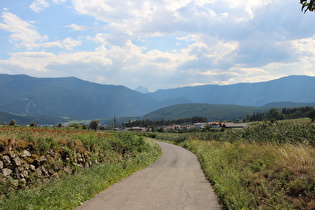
[(281, 114), (150, 123)]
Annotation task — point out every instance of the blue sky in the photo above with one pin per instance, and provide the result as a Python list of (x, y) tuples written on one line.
[(157, 44)]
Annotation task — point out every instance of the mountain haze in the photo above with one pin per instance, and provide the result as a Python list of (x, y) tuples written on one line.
[(73, 98), (212, 112), (298, 89), (5, 118), (70, 97)]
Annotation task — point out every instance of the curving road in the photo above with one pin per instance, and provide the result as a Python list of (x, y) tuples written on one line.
[(174, 181)]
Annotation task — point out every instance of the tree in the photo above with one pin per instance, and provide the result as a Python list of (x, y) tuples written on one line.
[(33, 124), (312, 115), (274, 113), (12, 123), (308, 5), (94, 124)]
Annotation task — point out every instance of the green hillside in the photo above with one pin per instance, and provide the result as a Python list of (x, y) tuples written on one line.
[(5, 118), (213, 112), (70, 97), (287, 105)]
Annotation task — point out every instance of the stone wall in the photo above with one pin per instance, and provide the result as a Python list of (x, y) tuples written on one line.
[(25, 170)]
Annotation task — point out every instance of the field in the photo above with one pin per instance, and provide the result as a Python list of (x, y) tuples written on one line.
[(265, 166), (58, 168), (268, 165)]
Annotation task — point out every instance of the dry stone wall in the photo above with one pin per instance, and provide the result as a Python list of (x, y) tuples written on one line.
[(25, 170)]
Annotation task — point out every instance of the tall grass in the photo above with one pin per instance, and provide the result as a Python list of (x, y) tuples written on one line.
[(259, 175), (293, 132), (264, 166)]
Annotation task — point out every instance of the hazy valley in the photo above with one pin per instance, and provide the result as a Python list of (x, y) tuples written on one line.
[(28, 99)]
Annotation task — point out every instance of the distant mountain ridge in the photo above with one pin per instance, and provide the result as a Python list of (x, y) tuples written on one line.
[(70, 97), (298, 89), (213, 112), (287, 105), (6, 118), (78, 99)]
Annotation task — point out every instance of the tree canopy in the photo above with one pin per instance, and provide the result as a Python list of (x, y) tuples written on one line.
[(281, 114), (312, 115), (94, 124), (308, 5)]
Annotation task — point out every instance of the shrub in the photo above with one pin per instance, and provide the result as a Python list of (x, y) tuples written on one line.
[(33, 124), (94, 124), (12, 123)]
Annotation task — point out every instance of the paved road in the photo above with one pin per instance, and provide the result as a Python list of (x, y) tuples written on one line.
[(174, 181)]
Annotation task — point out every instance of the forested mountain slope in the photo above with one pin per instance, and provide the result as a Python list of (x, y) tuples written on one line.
[(298, 89), (70, 97)]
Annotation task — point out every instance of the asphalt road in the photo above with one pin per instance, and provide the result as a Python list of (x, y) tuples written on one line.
[(174, 181)]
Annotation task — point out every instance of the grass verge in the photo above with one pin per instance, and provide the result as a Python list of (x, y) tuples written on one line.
[(252, 175), (268, 165), (72, 190)]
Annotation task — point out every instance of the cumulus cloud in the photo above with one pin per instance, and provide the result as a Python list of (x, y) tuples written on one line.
[(39, 5), (23, 33), (77, 27), (40, 62), (59, 1), (166, 43), (113, 65), (154, 68), (67, 44), (141, 17), (210, 53)]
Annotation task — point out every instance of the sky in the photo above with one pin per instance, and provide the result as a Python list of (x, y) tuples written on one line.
[(157, 44)]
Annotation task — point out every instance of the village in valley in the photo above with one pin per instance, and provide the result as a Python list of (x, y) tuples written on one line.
[(188, 127)]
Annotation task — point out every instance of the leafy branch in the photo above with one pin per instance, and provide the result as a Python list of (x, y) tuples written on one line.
[(308, 5)]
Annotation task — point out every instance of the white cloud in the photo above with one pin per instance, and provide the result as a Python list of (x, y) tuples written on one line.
[(77, 27), (130, 65), (165, 43), (144, 18), (67, 44), (59, 1), (305, 46), (23, 34), (39, 5), (40, 62), (209, 53), (116, 64)]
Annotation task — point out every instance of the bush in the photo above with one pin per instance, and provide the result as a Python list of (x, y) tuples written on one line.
[(12, 123), (94, 124), (33, 124), (312, 115)]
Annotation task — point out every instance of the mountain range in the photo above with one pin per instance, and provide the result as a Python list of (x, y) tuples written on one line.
[(73, 98), (70, 97), (299, 89), (215, 112), (212, 112), (6, 118)]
